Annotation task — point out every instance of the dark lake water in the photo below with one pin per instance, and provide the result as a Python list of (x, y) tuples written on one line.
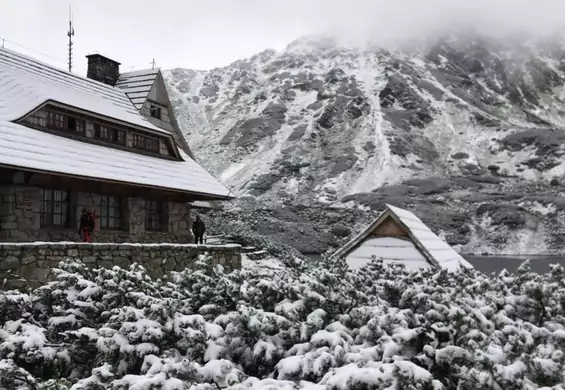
[(488, 264), (539, 263)]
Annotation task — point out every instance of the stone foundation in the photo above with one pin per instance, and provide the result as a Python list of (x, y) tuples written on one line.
[(31, 264)]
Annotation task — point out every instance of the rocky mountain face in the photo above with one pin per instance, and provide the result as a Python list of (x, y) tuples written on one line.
[(466, 131)]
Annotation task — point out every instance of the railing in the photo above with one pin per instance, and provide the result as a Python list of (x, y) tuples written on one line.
[(215, 239)]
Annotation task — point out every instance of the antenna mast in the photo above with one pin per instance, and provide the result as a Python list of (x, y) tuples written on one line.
[(70, 34)]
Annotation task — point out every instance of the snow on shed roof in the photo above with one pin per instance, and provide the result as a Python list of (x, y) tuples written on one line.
[(197, 204), (437, 252), (137, 85), (27, 83), (32, 149)]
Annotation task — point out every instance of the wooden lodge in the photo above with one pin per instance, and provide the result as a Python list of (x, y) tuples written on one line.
[(108, 143)]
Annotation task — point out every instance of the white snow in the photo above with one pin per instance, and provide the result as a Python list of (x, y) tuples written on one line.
[(26, 84), (24, 147)]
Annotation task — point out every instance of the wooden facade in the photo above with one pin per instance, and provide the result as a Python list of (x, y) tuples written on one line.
[(389, 228), (125, 213)]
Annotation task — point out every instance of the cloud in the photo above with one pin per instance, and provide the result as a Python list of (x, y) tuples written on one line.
[(406, 19), (208, 33)]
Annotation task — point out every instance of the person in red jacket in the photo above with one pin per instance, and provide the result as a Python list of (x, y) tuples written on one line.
[(86, 226)]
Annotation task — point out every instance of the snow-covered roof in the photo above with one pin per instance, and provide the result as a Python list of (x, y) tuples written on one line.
[(137, 85), (26, 84), (32, 149), (438, 252), (201, 205)]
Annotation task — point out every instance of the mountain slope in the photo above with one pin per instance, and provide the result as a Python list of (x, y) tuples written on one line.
[(453, 126)]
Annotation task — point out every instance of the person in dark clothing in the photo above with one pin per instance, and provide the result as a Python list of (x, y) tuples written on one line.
[(198, 229), (86, 226)]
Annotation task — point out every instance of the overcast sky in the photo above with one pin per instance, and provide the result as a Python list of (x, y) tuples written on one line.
[(202, 34)]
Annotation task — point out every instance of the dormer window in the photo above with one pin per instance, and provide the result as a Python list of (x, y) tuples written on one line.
[(63, 121), (155, 111), (145, 143), (110, 134), (55, 120), (58, 121), (74, 124)]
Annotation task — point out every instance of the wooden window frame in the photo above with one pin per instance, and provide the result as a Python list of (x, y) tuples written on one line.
[(154, 108), (55, 120), (111, 220), (156, 216), (61, 121), (148, 144), (137, 141), (79, 124), (38, 118), (152, 144), (110, 134), (48, 211)]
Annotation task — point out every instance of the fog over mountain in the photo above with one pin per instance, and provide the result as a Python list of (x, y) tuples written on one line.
[(461, 124)]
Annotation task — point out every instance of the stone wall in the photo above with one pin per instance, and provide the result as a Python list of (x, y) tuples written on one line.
[(31, 264), (20, 217), (19, 213)]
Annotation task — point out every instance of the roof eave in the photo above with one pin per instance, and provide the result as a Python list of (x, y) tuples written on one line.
[(201, 195)]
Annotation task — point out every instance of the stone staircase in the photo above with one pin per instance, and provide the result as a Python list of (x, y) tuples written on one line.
[(251, 252)]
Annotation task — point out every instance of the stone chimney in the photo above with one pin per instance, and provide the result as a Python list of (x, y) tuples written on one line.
[(102, 69)]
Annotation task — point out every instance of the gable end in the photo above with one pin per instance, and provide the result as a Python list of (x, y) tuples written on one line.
[(389, 227)]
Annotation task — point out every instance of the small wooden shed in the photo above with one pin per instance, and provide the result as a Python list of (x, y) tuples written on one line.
[(399, 236)]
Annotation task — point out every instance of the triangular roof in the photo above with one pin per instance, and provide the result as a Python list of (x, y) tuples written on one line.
[(436, 251), (27, 84), (137, 85)]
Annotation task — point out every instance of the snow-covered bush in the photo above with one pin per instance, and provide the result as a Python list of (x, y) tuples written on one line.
[(317, 327)]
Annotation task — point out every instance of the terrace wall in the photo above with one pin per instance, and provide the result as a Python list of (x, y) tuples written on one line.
[(31, 264)]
